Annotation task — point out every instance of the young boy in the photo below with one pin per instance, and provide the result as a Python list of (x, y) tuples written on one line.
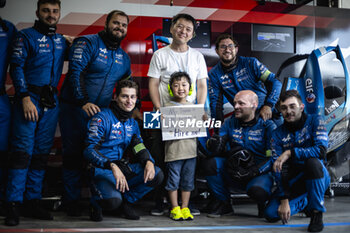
[(180, 155)]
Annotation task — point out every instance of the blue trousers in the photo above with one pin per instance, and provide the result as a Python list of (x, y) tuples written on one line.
[(103, 184), (73, 125), (305, 192), (5, 122), (31, 145), (220, 182)]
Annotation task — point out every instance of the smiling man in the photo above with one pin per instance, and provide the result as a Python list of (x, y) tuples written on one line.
[(177, 56), (299, 149), (247, 164), (35, 68), (115, 181), (96, 64), (234, 73)]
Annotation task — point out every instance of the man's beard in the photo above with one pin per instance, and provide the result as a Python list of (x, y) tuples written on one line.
[(46, 20), (228, 61), (113, 37)]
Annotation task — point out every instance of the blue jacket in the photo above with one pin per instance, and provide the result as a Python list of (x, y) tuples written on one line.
[(6, 38), (249, 74), (108, 138), (254, 137), (37, 59), (94, 71), (311, 141)]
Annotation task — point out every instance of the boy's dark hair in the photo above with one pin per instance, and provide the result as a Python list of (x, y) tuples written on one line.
[(126, 83), (115, 12), (184, 16), (53, 2), (289, 94), (223, 37), (176, 76)]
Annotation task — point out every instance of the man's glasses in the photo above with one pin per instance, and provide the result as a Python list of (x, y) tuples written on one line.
[(224, 47)]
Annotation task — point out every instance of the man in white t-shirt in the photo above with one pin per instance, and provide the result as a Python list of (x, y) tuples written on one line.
[(177, 56)]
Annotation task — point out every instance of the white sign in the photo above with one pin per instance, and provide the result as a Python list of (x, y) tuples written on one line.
[(185, 121)]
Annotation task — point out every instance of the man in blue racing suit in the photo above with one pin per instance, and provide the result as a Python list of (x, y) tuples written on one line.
[(7, 34), (235, 73), (246, 163), (36, 67), (115, 181), (299, 150), (96, 64)]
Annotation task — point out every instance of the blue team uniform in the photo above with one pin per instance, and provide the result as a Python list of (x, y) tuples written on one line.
[(37, 60), (7, 34), (254, 137), (249, 74), (94, 70), (306, 180), (107, 140)]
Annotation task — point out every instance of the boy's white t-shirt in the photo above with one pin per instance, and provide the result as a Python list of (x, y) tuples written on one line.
[(165, 61)]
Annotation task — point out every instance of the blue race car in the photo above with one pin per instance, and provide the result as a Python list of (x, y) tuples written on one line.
[(324, 85)]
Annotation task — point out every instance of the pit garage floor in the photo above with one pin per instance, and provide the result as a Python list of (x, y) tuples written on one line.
[(336, 219)]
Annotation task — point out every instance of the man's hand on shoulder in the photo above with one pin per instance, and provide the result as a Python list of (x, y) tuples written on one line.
[(69, 39), (91, 109), (266, 112)]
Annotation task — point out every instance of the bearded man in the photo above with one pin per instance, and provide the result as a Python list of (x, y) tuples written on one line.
[(96, 64)]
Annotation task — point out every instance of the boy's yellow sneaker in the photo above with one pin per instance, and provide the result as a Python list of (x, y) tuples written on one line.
[(187, 213), (176, 214)]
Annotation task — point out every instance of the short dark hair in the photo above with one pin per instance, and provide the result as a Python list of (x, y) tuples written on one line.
[(115, 12), (126, 83), (289, 94), (53, 2), (223, 37), (184, 16), (176, 76)]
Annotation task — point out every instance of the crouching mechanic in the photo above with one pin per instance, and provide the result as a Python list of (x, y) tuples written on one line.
[(116, 182), (245, 164), (299, 148)]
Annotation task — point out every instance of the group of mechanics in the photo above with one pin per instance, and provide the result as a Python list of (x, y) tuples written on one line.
[(249, 151)]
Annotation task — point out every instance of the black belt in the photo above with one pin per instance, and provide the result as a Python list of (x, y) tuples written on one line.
[(2, 91), (38, 89)]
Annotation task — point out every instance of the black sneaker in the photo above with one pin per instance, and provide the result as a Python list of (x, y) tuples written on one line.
[(96, 214), (34, 209), (221, 208), (73, 209), (128, 211), (12, 215), (316, 222), (194, 210), (158, 209), (209, 207), (261, 210), (2, 209)]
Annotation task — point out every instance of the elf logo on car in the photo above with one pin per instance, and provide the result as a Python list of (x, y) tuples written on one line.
[(310, 96)]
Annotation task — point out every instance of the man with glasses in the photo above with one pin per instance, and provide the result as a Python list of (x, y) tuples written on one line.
[(235, 73)]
